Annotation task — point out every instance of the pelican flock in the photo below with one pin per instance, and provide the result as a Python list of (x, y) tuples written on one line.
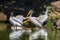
[(35, 20), (38, 21)]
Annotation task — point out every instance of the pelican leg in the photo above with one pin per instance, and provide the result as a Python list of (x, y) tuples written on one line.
[(41, 26), (14, 26), (36, 27)]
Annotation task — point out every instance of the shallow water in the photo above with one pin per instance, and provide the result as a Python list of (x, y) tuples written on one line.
[(6, 33)]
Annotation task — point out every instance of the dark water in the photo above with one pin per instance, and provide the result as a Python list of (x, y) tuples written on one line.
[(6, 33)]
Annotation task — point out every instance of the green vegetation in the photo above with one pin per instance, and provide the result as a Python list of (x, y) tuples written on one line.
[(51, 23)]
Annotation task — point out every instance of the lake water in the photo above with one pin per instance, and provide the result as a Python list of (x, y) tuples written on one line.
[(6, 33)]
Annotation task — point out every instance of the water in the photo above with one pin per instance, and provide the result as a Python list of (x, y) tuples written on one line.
[(6, 33)]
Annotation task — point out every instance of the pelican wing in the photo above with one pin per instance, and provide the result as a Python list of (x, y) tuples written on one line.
[(13, 21), (19, 20), (35, 21)]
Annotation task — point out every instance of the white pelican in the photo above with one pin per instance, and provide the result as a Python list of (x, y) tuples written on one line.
[(15, 21), (38, 20)]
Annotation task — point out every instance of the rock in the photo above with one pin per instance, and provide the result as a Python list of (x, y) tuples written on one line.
[(3, 17), (56, 6), (58, 24)]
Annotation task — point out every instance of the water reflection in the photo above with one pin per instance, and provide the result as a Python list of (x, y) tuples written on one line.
[(41, 32), (7, 33), (4, 32), (14, 35), (3, 26), (56, 35)]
